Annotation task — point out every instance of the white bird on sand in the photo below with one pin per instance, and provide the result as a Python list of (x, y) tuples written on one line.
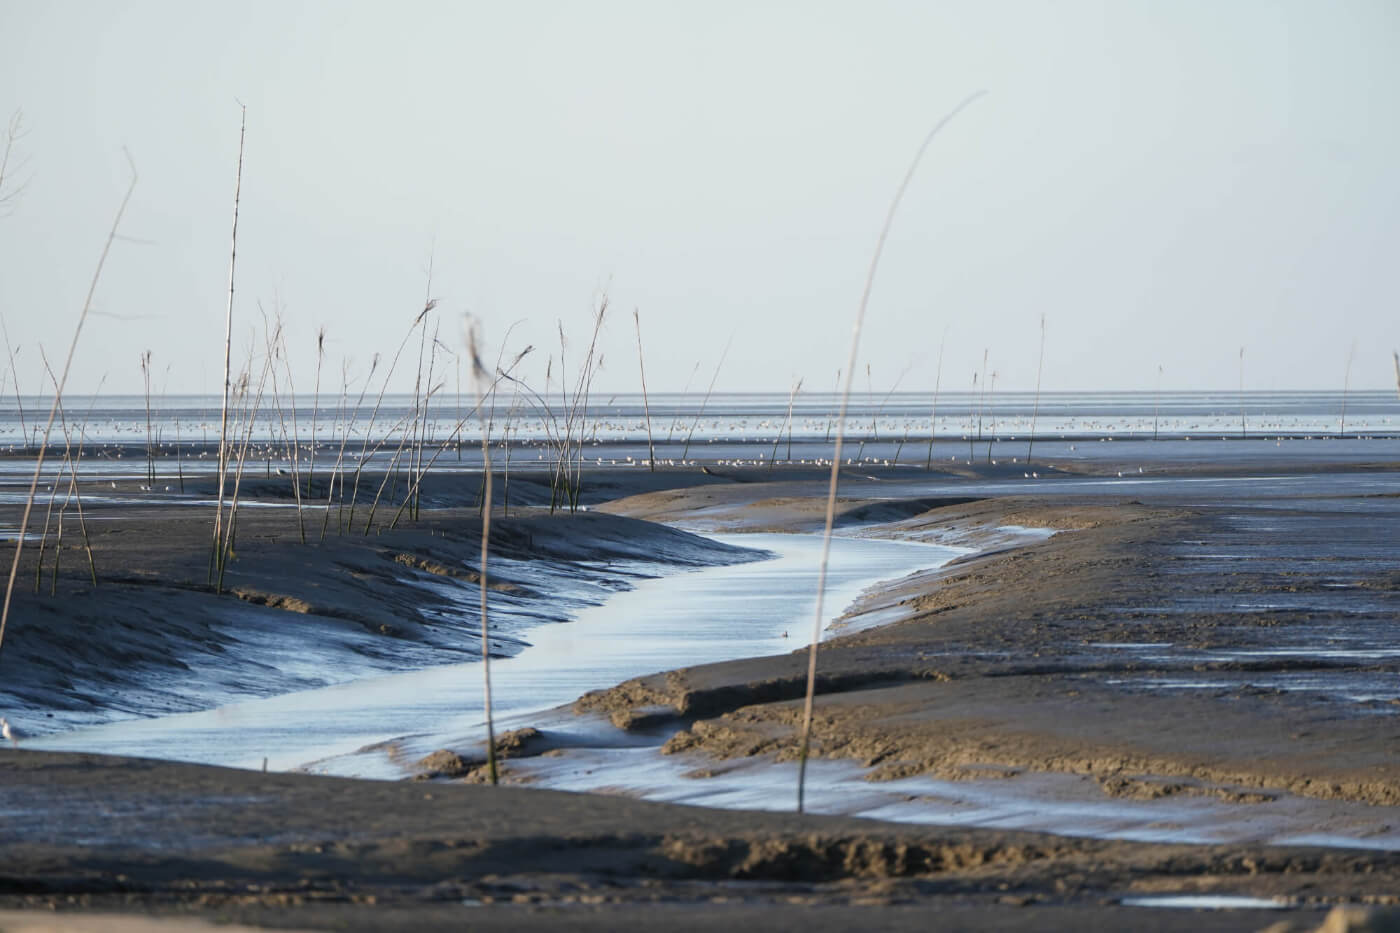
[(10, 733)]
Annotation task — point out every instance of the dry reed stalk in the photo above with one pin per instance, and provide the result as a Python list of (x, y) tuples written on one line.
[(1035, 410), (646, 405), (1243, 431), (1395, 356), (870, 391), (315, 404), (419, 388), (226, 550), (44, 535), (415, 492), (1346, 385), (379, 400), (19, 402), (294, 447), (706, 400), (971, 417), (216, 550), (14, 132), (74, 495), (337, 470), (578, 411), (831, 416), (675, 419), (792, 395), (58, 395), (390, 471), (501, 374), (933, 412), (1156, 401), (423, 434), (991, 398), (510, 417), (982, 400), (477, 370), (150, 452), (808, 702), (880, 409)]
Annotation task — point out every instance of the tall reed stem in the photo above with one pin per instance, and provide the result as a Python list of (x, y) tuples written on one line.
[(836, 456), (1035, 409), (786, 425), (1243, 432), (217, 550), (933, 412), (646, 406), (315, 405), (706, 400), (1346, 386), (477, 372), (1156, 401)]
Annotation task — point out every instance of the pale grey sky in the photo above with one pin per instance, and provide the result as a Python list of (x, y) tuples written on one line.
[(1165, 181)]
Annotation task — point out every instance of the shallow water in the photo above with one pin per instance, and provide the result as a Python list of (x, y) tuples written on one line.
[(1065, 804), (695, 617)]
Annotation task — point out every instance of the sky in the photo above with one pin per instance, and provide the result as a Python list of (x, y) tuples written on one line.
[(1163, 182)]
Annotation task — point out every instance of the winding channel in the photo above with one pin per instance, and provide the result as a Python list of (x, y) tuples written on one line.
[(369, 727)]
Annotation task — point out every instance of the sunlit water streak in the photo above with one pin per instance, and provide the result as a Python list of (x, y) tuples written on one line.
[(696, 617)]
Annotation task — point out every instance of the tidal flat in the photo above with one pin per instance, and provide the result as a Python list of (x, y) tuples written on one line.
[(1086, 685)]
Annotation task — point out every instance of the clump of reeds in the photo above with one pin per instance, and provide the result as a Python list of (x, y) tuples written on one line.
[(58, 395), (830, 522)]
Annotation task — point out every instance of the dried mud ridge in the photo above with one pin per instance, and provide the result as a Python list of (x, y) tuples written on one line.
[(1006, 662)]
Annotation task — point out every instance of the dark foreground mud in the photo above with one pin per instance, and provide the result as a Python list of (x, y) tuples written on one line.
[(90, 832)]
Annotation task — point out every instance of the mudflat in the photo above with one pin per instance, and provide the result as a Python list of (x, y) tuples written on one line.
[(1228, 643)]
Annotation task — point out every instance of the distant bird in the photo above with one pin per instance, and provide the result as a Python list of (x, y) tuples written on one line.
[(10, 733)]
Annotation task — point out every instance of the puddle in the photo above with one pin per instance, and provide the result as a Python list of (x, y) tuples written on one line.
[(1208, 902)]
